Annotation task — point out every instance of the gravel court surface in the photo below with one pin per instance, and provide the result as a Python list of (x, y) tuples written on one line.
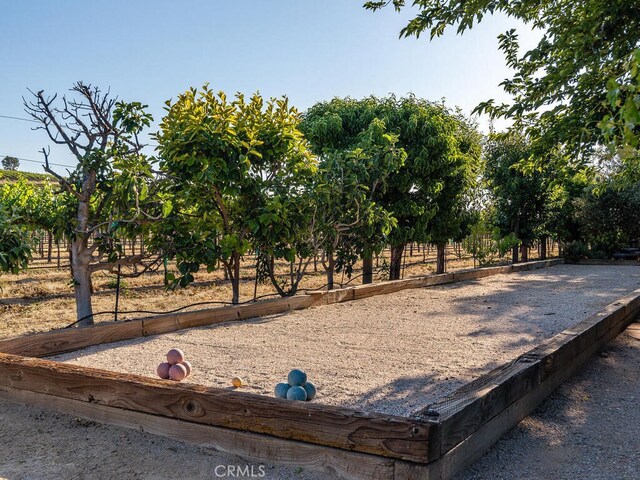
[(389, 353)]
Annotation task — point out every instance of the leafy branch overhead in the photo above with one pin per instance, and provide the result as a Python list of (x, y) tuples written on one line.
[(239, 165), (576, 87)]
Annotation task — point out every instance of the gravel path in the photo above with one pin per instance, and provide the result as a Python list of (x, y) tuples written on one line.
[(390, 353)]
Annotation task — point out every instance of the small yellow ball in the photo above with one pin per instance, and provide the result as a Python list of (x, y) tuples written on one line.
[(237, 382)]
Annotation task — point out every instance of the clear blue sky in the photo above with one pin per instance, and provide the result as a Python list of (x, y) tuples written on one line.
[(150, 51)]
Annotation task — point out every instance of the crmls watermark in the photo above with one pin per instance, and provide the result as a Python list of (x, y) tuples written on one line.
[(240, 471)]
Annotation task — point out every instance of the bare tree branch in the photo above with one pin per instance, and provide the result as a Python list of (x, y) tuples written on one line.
[(63, 181)]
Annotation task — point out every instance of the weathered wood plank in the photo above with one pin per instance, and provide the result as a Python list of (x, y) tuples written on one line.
[(273, 307), (474, 446), (252, 446), (466, 411), (69, 339), (66, 340), (159, 325), (385, 435), (337, 296)]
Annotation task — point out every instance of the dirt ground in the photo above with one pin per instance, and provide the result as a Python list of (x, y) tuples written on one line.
[(393, 353)]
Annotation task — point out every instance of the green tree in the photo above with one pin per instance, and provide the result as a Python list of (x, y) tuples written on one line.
[(438, 148), (110, 190), (520, 197), (560, 87), (236, 165), (10, 163), (15, 251), (38, 206), (621, 123), (357, 157), (459, 176), (284, 230), (609, 218)]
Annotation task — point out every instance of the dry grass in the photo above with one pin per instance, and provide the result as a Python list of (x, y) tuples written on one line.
[(41, 299)]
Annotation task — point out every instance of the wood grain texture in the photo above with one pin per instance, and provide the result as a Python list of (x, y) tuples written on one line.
[(252, 446), (468, 410), (474, 446), (66, 340), (70, 339), (385, 435)]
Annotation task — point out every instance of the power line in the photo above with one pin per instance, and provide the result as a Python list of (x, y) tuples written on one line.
[(37, 161), (18, 118), (9, 117)]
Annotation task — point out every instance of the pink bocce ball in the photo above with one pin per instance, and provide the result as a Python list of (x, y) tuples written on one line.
[(174, 356), (177, 372), (163, 370), (187, 365)]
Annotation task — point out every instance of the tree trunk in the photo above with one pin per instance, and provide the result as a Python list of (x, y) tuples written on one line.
[(524, 253), (331, 268), (514, 255), (441, 256), (49, 246), (395, 264), (80, 268), (367, 268), (235, 278), (543, 248)]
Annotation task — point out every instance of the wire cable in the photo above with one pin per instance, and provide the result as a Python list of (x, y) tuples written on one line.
[(36, 161), (9, 117), (168, 312)]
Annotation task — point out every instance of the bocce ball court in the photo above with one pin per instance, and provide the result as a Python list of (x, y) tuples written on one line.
[(412, 382)]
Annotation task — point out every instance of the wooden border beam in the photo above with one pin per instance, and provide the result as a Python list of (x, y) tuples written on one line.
[(253, 446), (472, 420), (70, 339), (344, 428)]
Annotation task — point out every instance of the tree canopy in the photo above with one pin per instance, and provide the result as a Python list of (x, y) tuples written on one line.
[(358, 155), (10, 163), (237, 164), (570, 86), (422, 192)]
